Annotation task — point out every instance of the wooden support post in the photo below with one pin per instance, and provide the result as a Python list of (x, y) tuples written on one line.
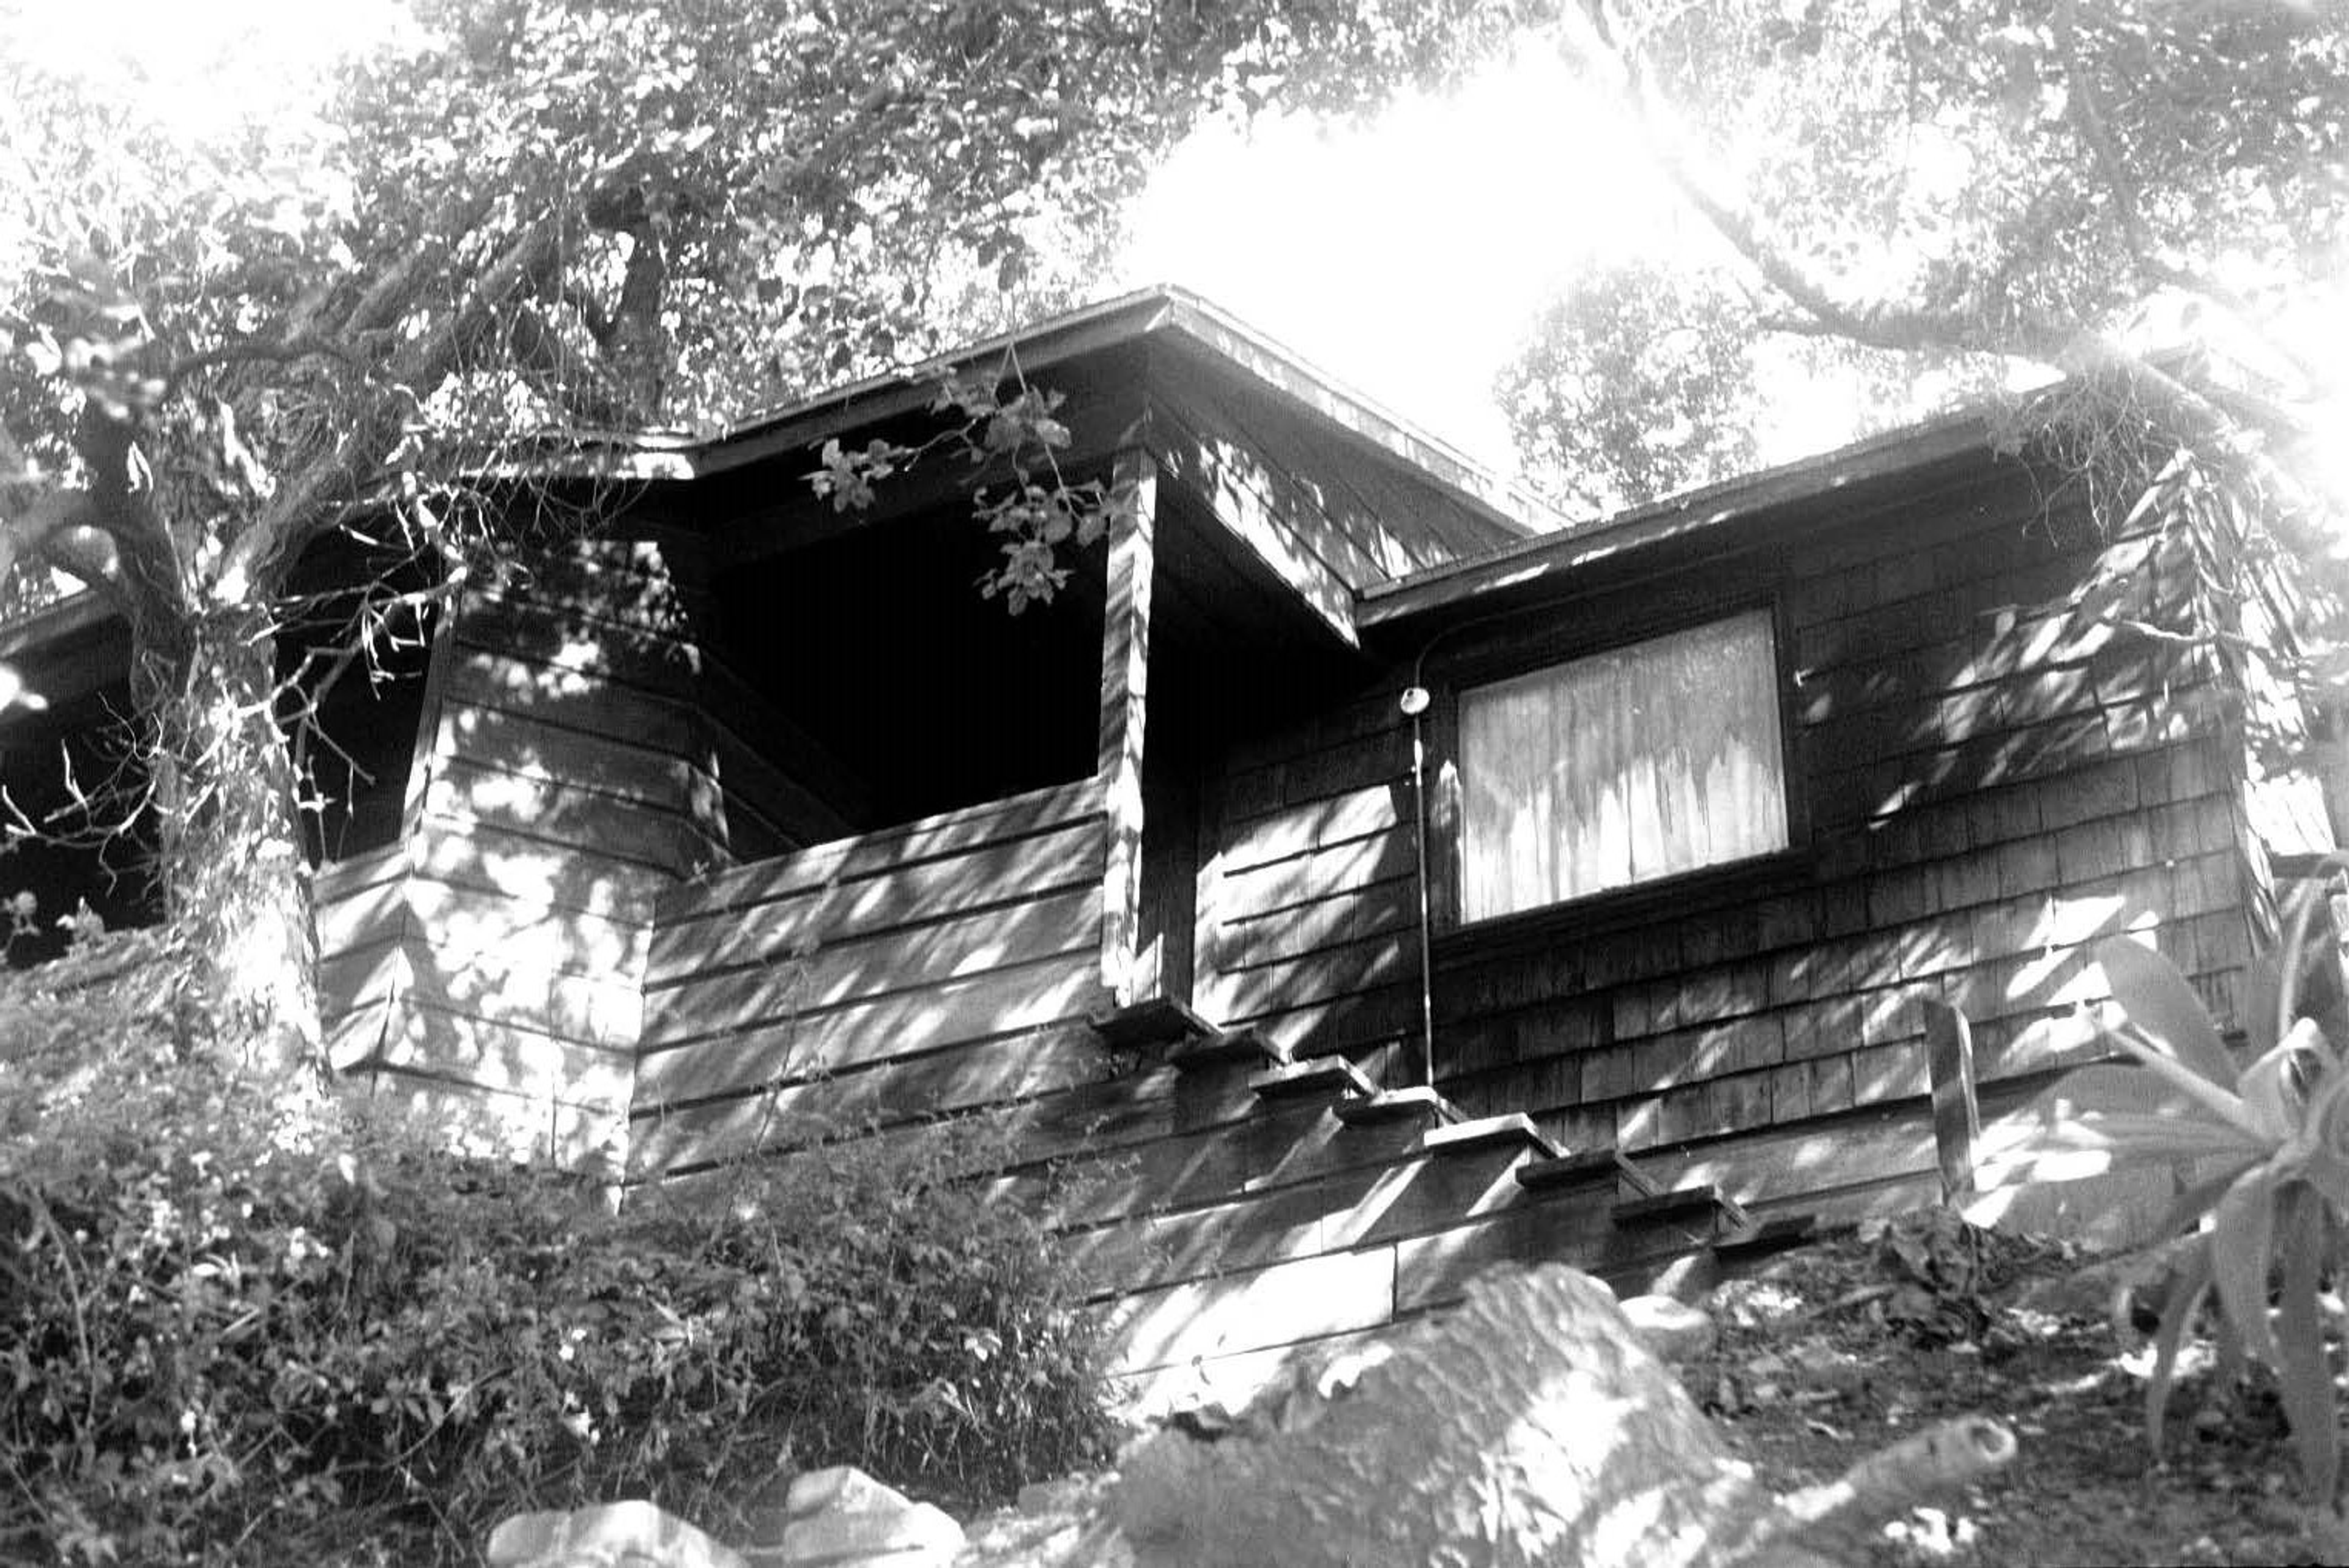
[(1125, 682), (1957, 1111)]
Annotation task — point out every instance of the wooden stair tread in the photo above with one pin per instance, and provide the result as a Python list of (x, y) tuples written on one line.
[(1728, 1215), (1514, 1126), (1314, 1074), (1397, 1104), (1588, 1165), (1150, 1023), (1768, 1236), (1223, 1047)]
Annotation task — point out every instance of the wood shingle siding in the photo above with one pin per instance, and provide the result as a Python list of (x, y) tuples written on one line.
[(1985, 788), (948, 964), (1990, 789)]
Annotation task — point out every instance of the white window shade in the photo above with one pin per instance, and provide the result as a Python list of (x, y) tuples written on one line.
[(1642, 762)]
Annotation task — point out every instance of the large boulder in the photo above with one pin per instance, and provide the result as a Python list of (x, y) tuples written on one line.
[(1531, 1425)]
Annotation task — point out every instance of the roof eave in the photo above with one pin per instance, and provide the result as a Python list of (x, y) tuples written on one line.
[(1547, 560)]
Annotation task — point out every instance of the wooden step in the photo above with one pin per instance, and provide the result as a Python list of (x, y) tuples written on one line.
[(1156, 1022), (1483, 1131), (1759, 1238), (1590, 1167), (1225, 1048), (1400, 1104), (1314, 1074), (1684, 1204)]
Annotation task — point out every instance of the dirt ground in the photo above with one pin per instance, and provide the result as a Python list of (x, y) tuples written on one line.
[(1831, 1351)]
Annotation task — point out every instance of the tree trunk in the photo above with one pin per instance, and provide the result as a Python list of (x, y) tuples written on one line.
[(235, 884)]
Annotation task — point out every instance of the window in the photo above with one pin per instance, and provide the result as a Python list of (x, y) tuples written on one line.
[(1639, 763)]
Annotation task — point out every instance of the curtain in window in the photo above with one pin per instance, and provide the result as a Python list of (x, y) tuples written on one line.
[(1637, 763)]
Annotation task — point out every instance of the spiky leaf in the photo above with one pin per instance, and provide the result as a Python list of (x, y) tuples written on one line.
[(2242, 1238), (2304, 1372), (2192, 1284), (2159, 1002)]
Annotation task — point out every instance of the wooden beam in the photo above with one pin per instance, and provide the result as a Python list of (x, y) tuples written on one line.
[(425, 751), (1125, 684), (1263, 510), (1957, 1110)]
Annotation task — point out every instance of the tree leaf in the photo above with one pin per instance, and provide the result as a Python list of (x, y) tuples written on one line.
[(2268, 1089), (2221, 1103), (2242, 1237), (2192, 1284), (2159, 1001), (2198, 1200), (2305, 1374), (2148, 1136)]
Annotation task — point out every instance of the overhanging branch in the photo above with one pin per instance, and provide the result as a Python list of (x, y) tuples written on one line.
[(1901, 325), (314, 498)]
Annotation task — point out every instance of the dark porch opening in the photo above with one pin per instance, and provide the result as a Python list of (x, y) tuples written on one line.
[(900, 691)]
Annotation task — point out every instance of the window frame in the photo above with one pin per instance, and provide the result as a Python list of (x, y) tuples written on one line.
[(1562, 639)]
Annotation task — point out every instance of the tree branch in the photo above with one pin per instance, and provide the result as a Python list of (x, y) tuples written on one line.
[(2087, 119), (24, 537), (571, 380), (1901, 325), (389, 296), (154, 591), (307, 505), (305, 345)]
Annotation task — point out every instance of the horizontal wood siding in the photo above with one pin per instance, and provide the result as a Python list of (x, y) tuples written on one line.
[(942, 966), (1309, 909), (570, 713), (502, 949), (1990, 789)]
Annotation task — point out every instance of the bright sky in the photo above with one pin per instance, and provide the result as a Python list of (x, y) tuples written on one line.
[(208, 61), (1409, 258)]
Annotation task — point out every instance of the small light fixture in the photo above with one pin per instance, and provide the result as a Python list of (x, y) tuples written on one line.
[(1415, 700)]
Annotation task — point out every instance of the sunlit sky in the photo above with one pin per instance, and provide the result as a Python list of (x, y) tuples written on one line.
[(1408, 258)]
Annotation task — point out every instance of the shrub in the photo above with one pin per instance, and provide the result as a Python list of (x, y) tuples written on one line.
[(2269, 1143), (231, 1333)]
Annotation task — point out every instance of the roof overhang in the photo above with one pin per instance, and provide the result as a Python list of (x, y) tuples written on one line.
[(1162, 314), (1715, 518)]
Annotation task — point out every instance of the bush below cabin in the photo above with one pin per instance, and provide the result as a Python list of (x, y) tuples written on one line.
[(235, 1332)]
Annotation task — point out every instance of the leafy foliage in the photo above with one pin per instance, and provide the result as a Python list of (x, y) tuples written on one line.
[(1645, 402), (2269, 1147), (1937, 1261), (1037, 510), (234, 1333), (1914, 205)]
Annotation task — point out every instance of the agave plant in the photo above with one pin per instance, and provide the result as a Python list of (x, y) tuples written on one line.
[(2269, 1143)]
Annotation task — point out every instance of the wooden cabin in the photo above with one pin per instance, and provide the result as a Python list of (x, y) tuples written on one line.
[(1373, 876)]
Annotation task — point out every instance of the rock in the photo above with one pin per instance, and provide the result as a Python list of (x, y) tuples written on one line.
[(842, 1517), (1529, 1426), (837, 1518), (635, 1534), (1672, 1330)]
